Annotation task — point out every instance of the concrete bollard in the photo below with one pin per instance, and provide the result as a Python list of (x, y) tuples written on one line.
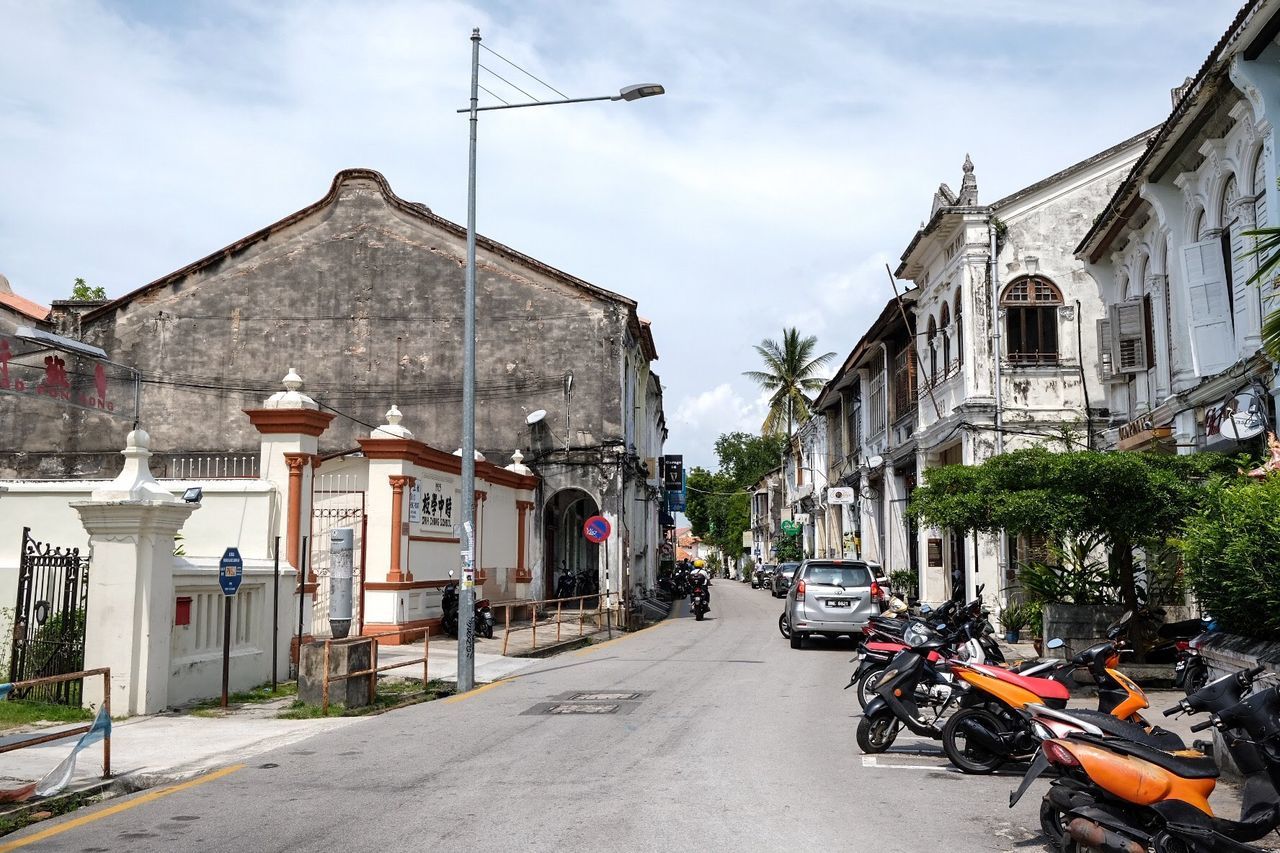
[(341, 548)]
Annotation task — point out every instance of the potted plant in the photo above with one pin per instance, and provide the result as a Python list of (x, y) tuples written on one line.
[(1035, 621), (1014, 618)]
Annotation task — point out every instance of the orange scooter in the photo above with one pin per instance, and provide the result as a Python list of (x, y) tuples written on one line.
[(990, 730), (1125, 797)]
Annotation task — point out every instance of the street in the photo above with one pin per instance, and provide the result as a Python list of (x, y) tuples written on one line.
[(736, 742)]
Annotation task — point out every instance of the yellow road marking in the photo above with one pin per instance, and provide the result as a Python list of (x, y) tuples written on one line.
[(458, 697), (75, 823), (591, 648)]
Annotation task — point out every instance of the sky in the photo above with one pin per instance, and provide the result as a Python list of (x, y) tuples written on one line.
[(796, 151)]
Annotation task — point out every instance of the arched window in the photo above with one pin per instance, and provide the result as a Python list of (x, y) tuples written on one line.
[(933, 352), (1260, 192), (944, 321), (1031, 320), (1197, 226), (959, 330)]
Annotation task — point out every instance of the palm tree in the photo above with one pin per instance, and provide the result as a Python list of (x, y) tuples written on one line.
[(789, 373), (1267, 250)]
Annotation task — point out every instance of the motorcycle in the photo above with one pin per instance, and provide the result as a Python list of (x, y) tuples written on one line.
[(449, 616), (1122, 796), (989, 731), (699, 601), (1190, 672)]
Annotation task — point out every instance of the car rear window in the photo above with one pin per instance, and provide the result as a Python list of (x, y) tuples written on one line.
[(833, 574), (788, 568)]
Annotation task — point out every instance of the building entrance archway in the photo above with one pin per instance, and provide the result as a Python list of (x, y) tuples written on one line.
[(567, 551)]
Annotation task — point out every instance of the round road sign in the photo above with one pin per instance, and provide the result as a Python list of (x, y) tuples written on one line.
[(597, 528)]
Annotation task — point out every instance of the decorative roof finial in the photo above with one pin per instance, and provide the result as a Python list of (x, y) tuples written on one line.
[(969, 185), (392, 426), (968, 165), (292, 397)]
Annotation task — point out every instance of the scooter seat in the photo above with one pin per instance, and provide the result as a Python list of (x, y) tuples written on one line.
[(1161, 739), (1045, 688), (1191, 766)]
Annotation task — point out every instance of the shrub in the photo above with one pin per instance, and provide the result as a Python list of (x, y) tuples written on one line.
[(1232, 550), (904, 582)]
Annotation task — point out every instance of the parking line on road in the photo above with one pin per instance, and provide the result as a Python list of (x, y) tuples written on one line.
[(460, 696), (119, 807), (872, 761)]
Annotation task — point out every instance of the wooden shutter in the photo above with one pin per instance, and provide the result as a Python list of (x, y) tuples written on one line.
[(1208, 308), (1105, 349), (1240, 272), (1129, 337)]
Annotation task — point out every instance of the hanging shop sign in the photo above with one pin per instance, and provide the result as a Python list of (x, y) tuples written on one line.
[(1140, 433), (1239, 418)]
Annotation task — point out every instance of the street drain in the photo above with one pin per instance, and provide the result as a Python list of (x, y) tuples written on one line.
[(582, 709)]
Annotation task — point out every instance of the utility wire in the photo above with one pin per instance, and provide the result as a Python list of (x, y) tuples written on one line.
[(490, 91), (522, 71), (508, 82)]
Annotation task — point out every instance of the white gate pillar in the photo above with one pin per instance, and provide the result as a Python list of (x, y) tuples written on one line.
[(131, 522)]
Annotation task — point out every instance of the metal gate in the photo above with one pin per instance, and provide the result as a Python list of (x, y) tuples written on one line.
[(337, 502), (49, 619)]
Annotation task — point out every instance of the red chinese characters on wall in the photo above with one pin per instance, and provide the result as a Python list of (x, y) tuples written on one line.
[(52, 380)]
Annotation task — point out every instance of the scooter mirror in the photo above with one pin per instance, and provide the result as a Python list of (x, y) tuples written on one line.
[(1055, 643)]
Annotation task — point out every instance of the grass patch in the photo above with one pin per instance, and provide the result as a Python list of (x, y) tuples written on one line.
[(28, 813), (261, 693), (392, 693), (22, 712)]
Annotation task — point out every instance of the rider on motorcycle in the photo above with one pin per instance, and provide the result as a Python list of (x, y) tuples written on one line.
[(700, 578)]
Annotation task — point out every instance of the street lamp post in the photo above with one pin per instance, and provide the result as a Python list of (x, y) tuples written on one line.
[(467, 595)]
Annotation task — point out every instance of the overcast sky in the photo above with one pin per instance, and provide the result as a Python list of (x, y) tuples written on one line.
[(797, 148)]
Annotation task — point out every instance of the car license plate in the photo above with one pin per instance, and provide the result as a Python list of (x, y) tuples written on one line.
[(839, 602)]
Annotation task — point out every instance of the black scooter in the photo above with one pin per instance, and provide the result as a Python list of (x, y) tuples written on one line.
[(700, 601), (449, 618)]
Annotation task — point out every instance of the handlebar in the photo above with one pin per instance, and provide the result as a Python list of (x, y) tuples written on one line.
[(1176, 709), (1202, 725), (1251, 674)]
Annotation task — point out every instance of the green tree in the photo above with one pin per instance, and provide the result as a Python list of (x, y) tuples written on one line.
[(1121, 501), (84, 292), (1231, 546), (791, 375), (719, 508)]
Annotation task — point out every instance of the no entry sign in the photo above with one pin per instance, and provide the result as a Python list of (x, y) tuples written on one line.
[(597, 528)]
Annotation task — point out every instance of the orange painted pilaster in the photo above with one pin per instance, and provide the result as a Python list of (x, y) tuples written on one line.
[(293, 522), (523, 508), (398, 483)]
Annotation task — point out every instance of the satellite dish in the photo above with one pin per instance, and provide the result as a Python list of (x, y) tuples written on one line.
[(535, 416), (1244, 418)]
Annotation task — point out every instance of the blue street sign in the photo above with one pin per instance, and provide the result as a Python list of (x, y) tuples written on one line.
[(230, 571)]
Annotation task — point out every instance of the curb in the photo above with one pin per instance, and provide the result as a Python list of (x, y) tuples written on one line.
[(555, 648)]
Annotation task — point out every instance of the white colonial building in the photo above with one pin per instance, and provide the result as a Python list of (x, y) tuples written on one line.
[(1182, 329)]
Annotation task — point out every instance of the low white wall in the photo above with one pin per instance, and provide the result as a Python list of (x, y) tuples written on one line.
[(196, 649)]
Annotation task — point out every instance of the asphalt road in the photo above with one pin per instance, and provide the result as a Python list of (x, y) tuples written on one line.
[(735, 742)]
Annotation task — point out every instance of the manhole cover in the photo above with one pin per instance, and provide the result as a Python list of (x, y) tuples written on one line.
[(604, 697), (582, 709)]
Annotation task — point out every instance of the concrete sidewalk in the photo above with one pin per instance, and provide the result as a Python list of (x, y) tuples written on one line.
[(168, 747)]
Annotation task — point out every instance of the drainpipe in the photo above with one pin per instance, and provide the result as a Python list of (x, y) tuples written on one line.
[(1084, 385), (887, 512), (995, 337)]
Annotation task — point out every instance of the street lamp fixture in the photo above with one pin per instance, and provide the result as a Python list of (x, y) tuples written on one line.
[(467, 593)]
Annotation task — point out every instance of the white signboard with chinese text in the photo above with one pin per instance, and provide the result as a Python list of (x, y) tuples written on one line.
[(434, 506)]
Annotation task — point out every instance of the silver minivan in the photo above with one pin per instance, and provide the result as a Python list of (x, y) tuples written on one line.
[(830, 597)]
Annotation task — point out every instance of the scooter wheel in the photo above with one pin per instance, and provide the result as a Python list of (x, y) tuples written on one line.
[(487, 631), (876, 734), (964, 752), (866, 686), (784, 627), (1051, 823), (1195, 679), (697, 615)]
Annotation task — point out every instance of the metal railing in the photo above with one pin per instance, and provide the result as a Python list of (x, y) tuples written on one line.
[(211, 466), (374, 668), (105, 672), (535, 604)]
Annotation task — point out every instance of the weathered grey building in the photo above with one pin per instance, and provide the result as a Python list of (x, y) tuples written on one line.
[(362, 293)]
